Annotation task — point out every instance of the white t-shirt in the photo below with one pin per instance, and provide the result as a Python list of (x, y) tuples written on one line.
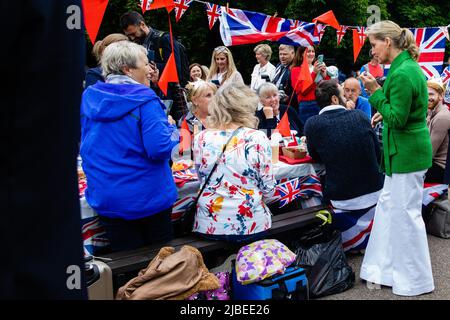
[(257, 81)]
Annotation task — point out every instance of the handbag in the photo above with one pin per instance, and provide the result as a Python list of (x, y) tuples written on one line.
[(437, 221), (187, 220)]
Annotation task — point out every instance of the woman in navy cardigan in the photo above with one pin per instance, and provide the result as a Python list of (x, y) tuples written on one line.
[(272, 111)]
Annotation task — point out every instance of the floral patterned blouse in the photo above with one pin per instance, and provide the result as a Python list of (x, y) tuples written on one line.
[(232, 203)]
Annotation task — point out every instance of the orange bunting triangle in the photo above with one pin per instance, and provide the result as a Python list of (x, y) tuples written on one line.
[(156, 4), (169, 74), (185, 137), (329, 19), (305, 74), (357, 45), (93, 11), (283, 126)]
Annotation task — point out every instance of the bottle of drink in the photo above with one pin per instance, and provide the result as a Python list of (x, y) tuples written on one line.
[(275, 144)]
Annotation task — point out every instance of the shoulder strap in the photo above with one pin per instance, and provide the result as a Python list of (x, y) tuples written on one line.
[(216, 164)]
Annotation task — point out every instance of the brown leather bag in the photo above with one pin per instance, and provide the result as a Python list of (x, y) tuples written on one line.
[(170, 276)]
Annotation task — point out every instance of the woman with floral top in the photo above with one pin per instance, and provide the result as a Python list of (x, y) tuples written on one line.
[(231, 207)]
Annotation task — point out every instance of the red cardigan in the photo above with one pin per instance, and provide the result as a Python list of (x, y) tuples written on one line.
[(309, 94)]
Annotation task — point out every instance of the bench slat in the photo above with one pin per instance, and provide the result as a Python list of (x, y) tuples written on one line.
[(127, 261)]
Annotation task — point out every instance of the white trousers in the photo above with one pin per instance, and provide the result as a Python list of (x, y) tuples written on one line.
[(397, 254)]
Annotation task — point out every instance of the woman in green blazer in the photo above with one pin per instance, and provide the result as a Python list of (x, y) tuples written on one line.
[(397, 254)]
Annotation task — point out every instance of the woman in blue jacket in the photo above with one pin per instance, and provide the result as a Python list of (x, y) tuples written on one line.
[(126, 144)]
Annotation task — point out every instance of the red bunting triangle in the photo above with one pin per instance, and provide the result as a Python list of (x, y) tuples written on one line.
[(185, 137), (156, 4), (169, 74), (305, 75), (359, 37), (283, 126), (329, 19), (93, 11)]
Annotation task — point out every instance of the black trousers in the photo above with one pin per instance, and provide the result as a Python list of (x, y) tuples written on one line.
[(132, 234)]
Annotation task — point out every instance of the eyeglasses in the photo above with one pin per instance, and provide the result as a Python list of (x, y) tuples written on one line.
[(220, 49)]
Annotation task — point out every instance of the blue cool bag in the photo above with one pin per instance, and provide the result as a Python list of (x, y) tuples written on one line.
[(292, 285)]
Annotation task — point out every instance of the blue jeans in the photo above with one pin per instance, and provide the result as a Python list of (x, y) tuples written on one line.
[(307, 109)]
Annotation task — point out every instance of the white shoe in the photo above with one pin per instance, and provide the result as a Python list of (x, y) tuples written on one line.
[(373, 285)]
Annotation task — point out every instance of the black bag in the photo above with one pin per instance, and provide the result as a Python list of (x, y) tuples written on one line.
[(187, 220), (320, 252), (437, 217)]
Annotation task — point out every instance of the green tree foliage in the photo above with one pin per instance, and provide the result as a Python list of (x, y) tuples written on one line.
[(192, 30)]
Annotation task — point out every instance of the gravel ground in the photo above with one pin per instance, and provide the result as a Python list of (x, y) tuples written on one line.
[(440, 260)]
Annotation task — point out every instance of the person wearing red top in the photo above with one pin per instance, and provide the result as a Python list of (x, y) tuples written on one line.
[(307, 106), (374, 68)]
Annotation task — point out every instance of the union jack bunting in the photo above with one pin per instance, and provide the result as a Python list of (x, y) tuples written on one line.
[(145, 5), (94, 236), (340, 33), (213, 11), (431, 43), (319, 31), (361, 35), (446, 74), (180, 7), (180, 206), (244, 27)]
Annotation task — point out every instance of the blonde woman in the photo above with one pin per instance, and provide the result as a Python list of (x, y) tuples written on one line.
[(264, 71), (397, 253), (232, 208), (223, 70), (199, 94)]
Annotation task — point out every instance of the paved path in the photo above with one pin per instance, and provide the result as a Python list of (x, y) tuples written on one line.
[(440, 260)]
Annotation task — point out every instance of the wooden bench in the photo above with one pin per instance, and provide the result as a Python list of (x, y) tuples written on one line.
[(126, 264)]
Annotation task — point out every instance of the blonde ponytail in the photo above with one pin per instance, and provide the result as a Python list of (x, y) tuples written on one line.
[(408, 42), (402, 38)]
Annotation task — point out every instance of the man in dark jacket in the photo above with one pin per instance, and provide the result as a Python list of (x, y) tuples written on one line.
[(344, 141), (159, 50), (282, 78)]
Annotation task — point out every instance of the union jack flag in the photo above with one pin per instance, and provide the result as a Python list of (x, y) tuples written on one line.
[(340, 33), (244, 27), (446, 74), (431, 43), (213, 11), (304, 187), (294, 24), (432, 191), (94, 236), (355, 227), (180, 206), (288, 191), (180, 7)]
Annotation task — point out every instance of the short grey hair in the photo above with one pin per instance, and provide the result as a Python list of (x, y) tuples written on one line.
[(264, 49), (119, 55), (267, 87)]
